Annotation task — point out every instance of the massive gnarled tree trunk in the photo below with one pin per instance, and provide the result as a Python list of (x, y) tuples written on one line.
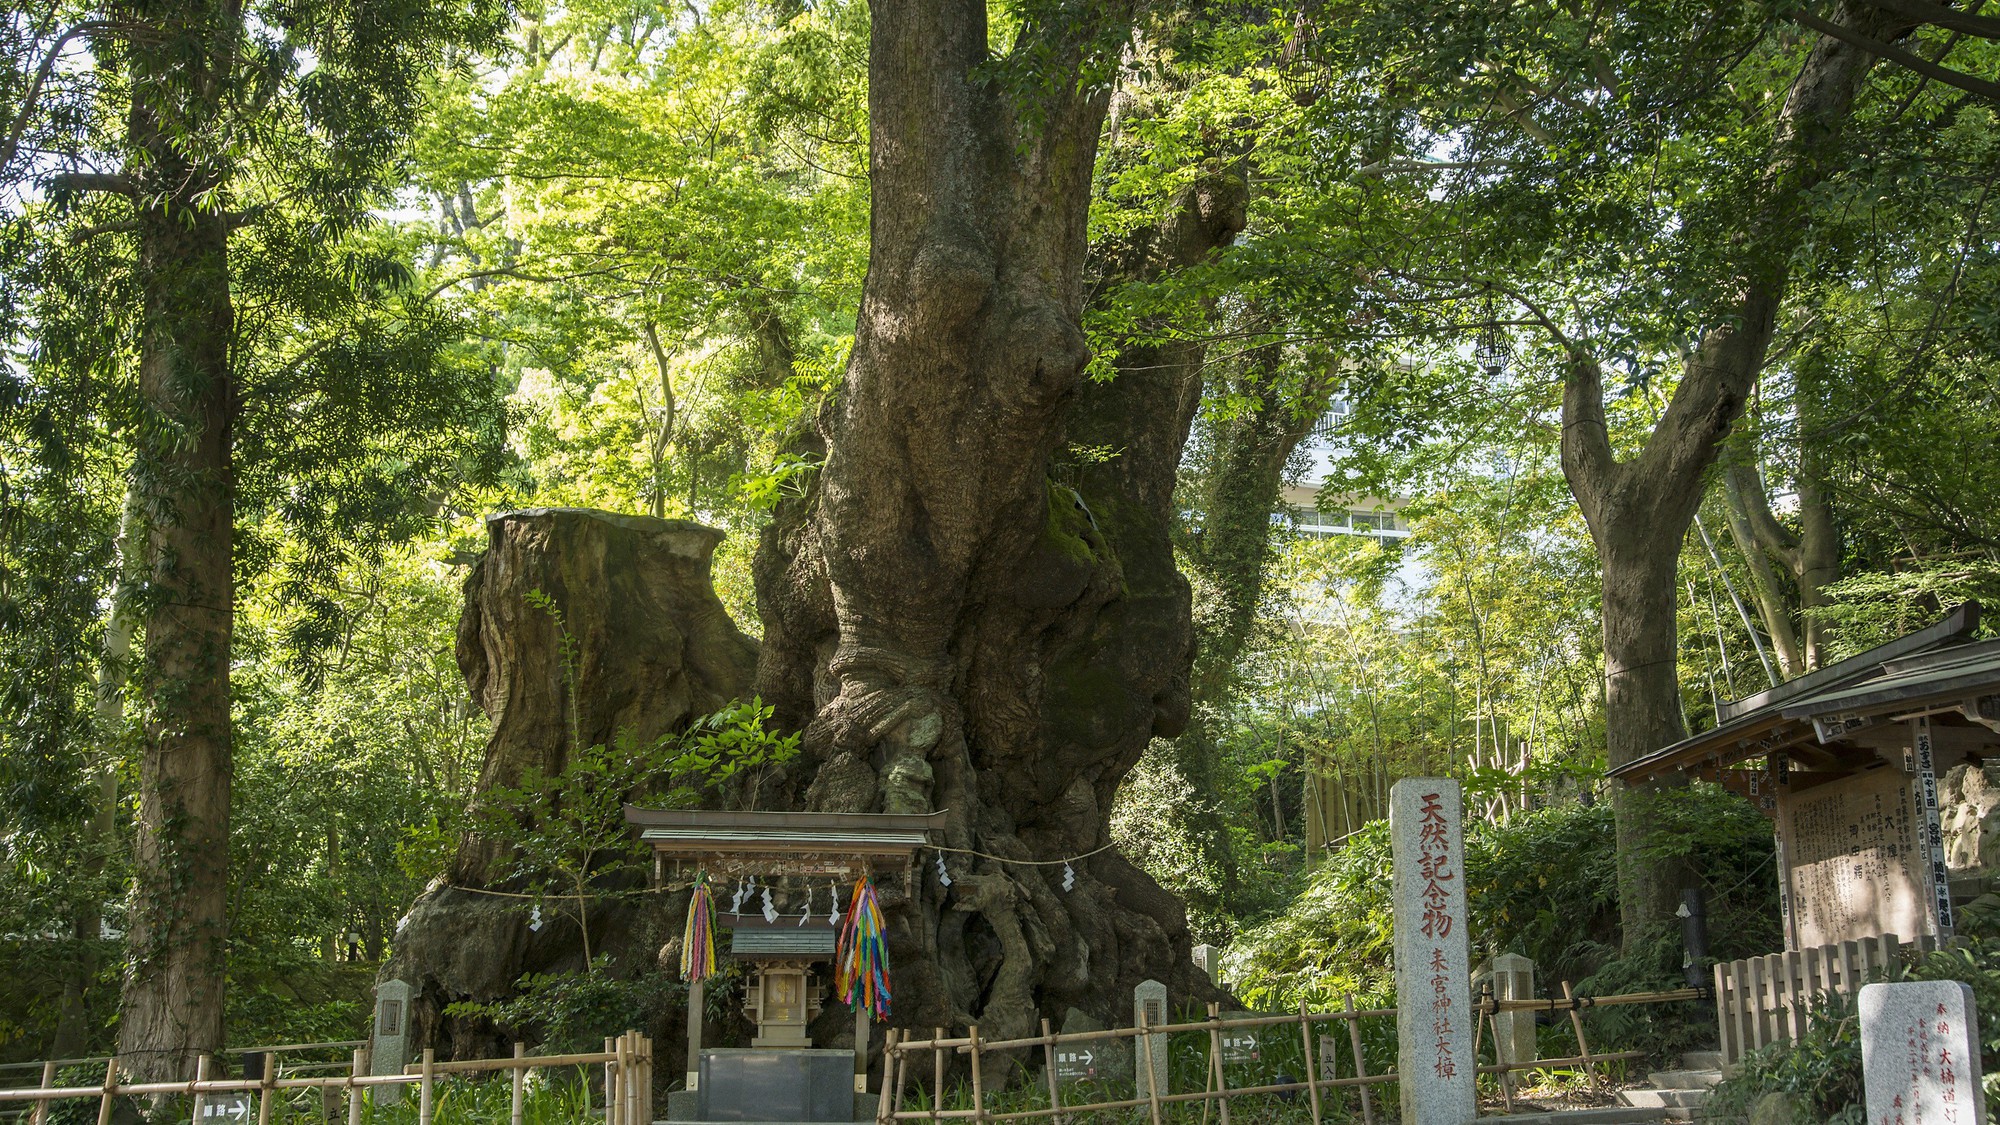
[(955, 630), (1639, 509), (653, 650), (172, 1006)]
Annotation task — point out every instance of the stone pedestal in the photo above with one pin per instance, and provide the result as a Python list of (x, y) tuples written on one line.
[(1434, 1016)]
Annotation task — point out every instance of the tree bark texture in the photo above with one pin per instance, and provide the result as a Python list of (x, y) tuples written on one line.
[(172, 1004), (954, 629), (653, 650), (1639, 509)]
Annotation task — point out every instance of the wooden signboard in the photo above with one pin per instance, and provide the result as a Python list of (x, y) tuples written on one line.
[(1855, 860)]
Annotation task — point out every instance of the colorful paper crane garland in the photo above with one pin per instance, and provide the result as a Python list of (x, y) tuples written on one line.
[(862, 961), (698, 943)]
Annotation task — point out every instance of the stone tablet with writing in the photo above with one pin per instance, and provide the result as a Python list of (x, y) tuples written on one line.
[(1920, 1054), (1434, 1017)]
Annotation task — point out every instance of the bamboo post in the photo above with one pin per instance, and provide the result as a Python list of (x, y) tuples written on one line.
[(359, 1066), (1360, 1062), (110, 1084), (426, 1097), (937, 1057), (1312, 1075), (883, 1111), (41, 1116), (1220, 1083), (517, 1102), (1049, 1071), (201, 1066), (1506, 1076), (622, 1048), (1152, 1086), (902, 1077), (265, 1080), (1582, 1047), (610, 1081), (978, 1088)]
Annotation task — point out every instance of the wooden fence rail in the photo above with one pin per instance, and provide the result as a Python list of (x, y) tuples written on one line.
[(627, 1061), (903, 1061), (1769, 999)]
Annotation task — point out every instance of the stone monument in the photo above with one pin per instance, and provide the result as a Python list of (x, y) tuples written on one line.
[(1149, 1009), (391, 1041), (1920, 1054), (1434, 1016)]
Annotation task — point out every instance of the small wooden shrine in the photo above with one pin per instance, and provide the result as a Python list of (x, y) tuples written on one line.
[(746, 851), (1847, 761)]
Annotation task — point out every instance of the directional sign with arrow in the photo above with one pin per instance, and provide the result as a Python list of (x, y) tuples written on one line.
[(216, 1109), (1239, 1047), (1075, 1064)]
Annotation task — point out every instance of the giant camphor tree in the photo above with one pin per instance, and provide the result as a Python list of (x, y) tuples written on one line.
[(953, 628)]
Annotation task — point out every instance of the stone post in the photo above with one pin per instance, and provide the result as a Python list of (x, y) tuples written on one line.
[(1149, 1007), (391, 1048), (1514, 979), (1920, 1052), (1434, 1016), (1209, 958)]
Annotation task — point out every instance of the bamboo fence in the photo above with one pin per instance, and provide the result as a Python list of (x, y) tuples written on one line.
[(903, 1059), (628, 1083)]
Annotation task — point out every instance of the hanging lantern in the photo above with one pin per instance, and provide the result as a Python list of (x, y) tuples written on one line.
[(1493, 352)]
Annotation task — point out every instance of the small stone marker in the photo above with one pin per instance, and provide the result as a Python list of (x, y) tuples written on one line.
[(1434, 1017), (1514, 979), (391, 1046), (1920, 1054), (1209, 957), (1149, 1007)]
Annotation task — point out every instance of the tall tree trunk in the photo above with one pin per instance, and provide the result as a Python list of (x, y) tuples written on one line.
[(172, 1008), (172, 1005), (1819, 553), (1639, 510), (956, 630)]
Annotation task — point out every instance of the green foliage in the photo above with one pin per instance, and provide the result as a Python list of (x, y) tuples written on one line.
[(1543, 885), (563, 1012)]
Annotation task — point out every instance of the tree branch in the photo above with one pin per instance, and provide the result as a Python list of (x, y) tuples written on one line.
[(1937, 15), (111, 183), (19, 126), (1900, 57), (80, 237), (1587, 459)]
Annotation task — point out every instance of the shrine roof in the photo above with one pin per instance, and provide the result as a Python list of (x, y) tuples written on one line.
[(1937, 664), (704, 832)]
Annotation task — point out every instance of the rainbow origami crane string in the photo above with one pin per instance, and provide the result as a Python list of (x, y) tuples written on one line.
[(698, 943), (862, 959)]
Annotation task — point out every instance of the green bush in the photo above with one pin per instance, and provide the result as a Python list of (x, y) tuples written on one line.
[(1543, 885)]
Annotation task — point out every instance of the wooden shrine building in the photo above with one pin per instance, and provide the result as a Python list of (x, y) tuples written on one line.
[(1847, 761), (779, 1077)]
